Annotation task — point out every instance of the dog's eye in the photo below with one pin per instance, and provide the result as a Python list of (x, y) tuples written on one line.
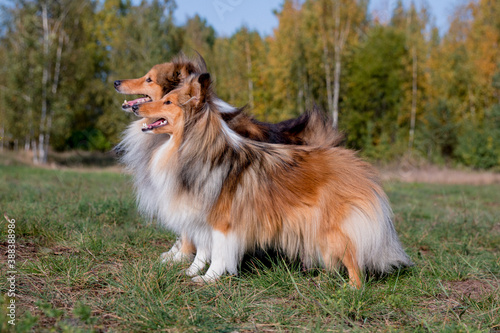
[(149, 80), (167, 102)]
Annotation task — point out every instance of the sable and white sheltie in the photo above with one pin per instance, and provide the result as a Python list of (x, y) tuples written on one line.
[(310, 128), (229, 194)]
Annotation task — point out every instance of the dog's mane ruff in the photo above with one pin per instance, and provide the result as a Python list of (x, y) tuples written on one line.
[(137, 154)]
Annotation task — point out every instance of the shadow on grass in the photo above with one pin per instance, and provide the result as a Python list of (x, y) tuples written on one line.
[(262, 260)]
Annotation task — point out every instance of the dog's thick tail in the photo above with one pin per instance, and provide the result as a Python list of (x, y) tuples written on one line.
[(313, 128), (372, 232)]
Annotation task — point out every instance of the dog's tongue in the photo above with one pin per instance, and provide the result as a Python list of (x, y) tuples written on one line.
[(157, 123), (160, 122), (137, 101)]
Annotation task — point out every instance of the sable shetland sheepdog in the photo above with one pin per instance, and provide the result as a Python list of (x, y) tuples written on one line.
[(229, 194), (310, 128)]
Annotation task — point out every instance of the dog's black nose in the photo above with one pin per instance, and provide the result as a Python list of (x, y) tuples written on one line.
[(117, 83)]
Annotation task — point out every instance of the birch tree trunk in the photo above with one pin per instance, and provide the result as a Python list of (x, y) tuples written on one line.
[(42, 153), (55, 85), (328, 80), (340, 37), (336, 88), (413, 112), (339, 33)]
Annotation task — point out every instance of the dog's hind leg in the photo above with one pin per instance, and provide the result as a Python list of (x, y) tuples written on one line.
[(337, 247)]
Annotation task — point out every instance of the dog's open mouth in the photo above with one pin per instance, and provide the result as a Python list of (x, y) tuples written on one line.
[(158, 123), (127, 105)]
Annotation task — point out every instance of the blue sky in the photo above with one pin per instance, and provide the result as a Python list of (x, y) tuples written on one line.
[(226, 16)]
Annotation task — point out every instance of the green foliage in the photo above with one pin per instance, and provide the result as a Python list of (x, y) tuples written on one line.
[(403, 88), (374, 89), (478, 145), (440, 131), (89, 139)]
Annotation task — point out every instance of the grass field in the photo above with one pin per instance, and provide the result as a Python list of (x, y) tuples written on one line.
[(87, 262)]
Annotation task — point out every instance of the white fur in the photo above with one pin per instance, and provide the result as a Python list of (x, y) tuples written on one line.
[(224, 107), (175, 254), (155, 184), (376, 242), (201, 259), (172, 253), (234, 138), (226, 253)]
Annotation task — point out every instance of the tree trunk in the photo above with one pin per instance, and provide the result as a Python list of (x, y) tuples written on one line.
[(328, 79), (27, 143), (336, 88), (300, 100), (340, 35), (413, 113), (42, 154), (249, 74), (2, 137), (55, 85), (34, 148)]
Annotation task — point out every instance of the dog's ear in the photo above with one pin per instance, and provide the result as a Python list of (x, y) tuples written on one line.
[(199, 90), (205, 82), (185, 70), (202, 65)]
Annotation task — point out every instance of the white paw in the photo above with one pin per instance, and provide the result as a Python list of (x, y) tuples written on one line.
[(192, 271), (183, 257), (204, 279), (166, 257)]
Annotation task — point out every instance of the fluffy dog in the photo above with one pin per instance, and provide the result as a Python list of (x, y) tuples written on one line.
[(228, 194)]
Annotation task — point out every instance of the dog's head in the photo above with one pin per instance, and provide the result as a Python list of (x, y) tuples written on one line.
[(170, 114), (159, 81)]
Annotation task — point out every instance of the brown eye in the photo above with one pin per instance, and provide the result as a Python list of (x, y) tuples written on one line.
[(167, 102), (149, 80)]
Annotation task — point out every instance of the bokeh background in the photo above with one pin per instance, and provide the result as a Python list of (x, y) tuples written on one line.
[(402, 79)]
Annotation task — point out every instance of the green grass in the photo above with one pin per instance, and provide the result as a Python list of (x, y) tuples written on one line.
[(87, 262)]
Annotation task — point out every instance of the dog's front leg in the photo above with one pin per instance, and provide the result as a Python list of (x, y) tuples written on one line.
[(226, 249), (200, 260), (183, 250)]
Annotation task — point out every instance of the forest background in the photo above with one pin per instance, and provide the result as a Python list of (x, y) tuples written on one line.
[(397, 88)]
